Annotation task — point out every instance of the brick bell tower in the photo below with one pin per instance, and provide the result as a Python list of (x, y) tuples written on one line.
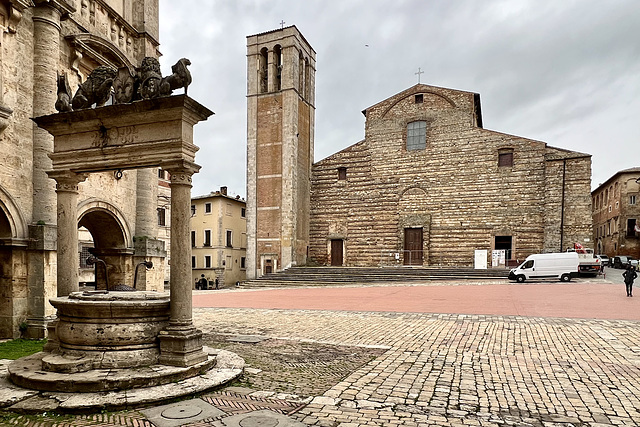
[(281, 69)]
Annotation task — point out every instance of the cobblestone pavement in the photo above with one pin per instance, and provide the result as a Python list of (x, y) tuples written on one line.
[(459, 370), (418, 369)]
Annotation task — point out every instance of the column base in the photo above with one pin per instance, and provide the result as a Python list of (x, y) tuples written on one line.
[(52, 345), (181, 346), (36, 329)]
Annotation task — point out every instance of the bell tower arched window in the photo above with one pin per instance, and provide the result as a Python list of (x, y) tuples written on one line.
[(277, 58), (263, 75)]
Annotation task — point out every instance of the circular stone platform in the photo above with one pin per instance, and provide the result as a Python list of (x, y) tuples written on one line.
[(145, 392)]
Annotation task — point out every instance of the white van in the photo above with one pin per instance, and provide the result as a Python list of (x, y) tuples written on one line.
[(562, 266)]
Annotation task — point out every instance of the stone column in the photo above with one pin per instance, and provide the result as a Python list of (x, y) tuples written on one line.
[(68, 257), (181, 342), (146, 243)]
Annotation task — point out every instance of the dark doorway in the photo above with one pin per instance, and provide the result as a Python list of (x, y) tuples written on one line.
[(268, 267), (336, 252), (413, 246), (504, 243)]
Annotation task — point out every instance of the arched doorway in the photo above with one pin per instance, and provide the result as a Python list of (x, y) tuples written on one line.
[(109, 241), (13, 267)]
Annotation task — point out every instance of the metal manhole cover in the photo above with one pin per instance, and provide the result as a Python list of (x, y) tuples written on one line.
[(258, 421), (181, 412)]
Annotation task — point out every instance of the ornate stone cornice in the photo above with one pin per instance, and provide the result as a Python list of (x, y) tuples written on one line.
[(16, 8), (63, 6)]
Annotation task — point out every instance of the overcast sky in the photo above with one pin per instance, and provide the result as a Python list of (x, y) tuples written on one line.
[(563, 72)]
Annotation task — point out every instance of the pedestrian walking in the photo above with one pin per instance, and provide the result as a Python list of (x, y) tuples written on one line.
[(629, 276), (202, 283), (217, 283)]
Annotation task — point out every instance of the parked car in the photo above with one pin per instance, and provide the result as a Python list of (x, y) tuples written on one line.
[(624, 261), (604, 260)]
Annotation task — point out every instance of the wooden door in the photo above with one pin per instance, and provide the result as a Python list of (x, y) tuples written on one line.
[(336, 252), (413, 246)]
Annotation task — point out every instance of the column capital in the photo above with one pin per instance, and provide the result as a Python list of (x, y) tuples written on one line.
[(67, 180), (181, 171)]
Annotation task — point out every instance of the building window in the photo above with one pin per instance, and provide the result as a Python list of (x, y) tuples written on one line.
[(617, 204), (84, 254), (193, 262), (229, 239), (207, 208), (193, 210), (416, 135), (609, 208), (342, 173), (632, 200), (161, 217), (243, 212), (193, 239), (229, 209), (207, 261), (161, 173), (631, 227), (505, 158), (419, 99), (243, 262), (207, 238)]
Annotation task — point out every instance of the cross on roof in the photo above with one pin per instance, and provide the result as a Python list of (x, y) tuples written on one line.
[(282, 24), (418, 74)]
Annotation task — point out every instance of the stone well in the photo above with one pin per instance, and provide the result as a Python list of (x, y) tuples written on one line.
[(107, 330)]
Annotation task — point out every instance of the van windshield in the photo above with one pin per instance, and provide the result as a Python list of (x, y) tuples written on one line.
[(527, 264)]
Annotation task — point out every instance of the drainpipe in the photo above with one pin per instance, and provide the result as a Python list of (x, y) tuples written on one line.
[(564, 176)]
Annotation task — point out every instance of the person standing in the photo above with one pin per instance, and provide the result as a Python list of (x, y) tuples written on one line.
[(217, 283), (629, 276), (202, 282)]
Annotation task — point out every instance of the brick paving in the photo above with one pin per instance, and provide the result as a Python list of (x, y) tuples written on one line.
[(448, 369)]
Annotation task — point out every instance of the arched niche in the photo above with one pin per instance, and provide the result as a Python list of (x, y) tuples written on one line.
[(12, 222)]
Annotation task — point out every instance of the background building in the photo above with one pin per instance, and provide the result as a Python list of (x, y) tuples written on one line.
[(616, 214), (40, 40), (428, 185), (219, 238)]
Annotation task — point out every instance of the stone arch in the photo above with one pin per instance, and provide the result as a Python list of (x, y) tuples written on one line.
[(106, 223), (413, 199), (12, 222), (98, 49), (446, 99)]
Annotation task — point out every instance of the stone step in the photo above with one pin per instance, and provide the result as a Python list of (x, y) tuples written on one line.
[(337, 276)]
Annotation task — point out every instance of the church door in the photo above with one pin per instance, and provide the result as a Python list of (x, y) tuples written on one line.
[(413, 246), (336, 252)]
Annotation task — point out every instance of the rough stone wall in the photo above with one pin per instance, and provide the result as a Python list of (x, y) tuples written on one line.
[(454, 189)]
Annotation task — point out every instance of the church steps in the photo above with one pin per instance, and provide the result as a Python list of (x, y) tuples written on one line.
[(340, 276)]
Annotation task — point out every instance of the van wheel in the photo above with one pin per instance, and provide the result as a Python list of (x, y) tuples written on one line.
[(520, 278), (565, 277)]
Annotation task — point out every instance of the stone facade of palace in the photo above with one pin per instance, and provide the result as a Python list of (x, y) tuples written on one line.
[(40, 40), (428, 185), (616, 214)]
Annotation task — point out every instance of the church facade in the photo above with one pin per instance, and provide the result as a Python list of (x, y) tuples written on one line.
[(428, 185), (40, 40)]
